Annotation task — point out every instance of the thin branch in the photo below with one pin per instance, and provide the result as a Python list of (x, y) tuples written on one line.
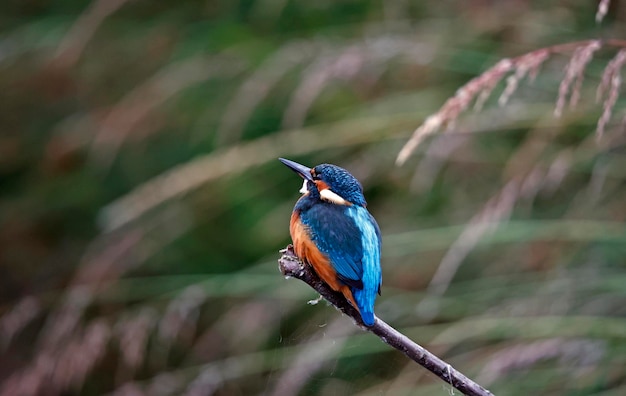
[(291, 266)]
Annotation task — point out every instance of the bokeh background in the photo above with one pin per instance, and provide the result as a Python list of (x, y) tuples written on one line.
[(142, 206)]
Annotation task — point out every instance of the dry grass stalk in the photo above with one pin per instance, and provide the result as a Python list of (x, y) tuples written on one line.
[(603, 8), (29, 382), (519, 357), (105, 261), (125, 117), (206, 383), (435, 158), (163, 384), (133, 334), (528, 64), (128, 389), (487, 220), (247, 326), (597, 183), (527, 177), (108, 258), (75, 360), (343, 66), (62, 366), (64, 321), (453, 107), (611, 81), (17, 318), (166, 384), (311, 359), (187, 177), (523, 184), (181, 312), (84, 28), (574, 74), (558, 170), (257, 87), (328, 63), (68, 350), (480, 88)]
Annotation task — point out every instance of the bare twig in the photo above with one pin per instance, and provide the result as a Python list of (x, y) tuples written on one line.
[(291, 266)]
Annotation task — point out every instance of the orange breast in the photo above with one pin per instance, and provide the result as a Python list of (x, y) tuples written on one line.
[(309, 253)]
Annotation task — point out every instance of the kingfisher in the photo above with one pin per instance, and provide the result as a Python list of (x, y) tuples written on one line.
[(333, 232)]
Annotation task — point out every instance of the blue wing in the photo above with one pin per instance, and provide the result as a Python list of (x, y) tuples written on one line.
[(350, 237), (372, 276), (339, 237)]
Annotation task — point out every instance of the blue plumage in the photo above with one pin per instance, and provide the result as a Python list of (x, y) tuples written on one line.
[(338, 236), (341, 182), (370, 262), (335, 219)]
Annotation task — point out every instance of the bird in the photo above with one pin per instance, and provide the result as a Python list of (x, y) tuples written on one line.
[(334, 233)]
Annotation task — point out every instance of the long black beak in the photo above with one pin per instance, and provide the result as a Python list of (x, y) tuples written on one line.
[(299, 169)]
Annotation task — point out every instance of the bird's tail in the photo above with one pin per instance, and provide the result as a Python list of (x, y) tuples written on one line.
[(365, 302), (367, 317)]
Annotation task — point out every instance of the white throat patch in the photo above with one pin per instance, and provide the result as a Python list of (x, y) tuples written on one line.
[(304, 188)]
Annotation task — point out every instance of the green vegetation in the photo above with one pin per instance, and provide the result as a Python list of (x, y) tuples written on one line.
[(142, 206)]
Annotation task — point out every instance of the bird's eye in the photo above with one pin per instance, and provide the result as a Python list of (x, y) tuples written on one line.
[(315, 175)]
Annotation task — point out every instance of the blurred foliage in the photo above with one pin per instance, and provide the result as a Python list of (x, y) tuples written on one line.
[(142, 206)]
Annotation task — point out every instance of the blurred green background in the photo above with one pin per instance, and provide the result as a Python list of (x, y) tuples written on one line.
[(142, 206)]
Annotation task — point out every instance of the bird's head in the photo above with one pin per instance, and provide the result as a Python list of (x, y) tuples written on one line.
[(329, 183)]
